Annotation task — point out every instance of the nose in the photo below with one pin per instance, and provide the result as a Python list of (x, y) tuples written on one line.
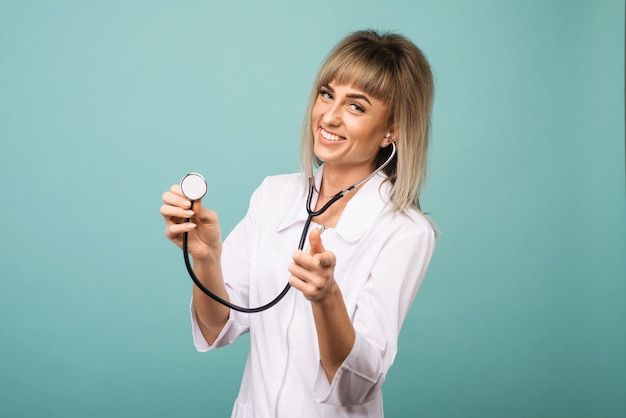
[(332, 114)]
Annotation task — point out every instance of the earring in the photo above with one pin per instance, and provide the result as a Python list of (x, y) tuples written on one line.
[(387, 139)]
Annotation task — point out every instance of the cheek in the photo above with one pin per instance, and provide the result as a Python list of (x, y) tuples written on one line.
[(314, 123), (316, 111), (371, 140), (315, 115), (365, 134)]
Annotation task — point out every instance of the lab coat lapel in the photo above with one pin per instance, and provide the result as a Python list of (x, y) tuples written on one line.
[(363, 208)]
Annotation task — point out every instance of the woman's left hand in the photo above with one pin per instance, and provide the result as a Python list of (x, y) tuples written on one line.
[(313, 273)]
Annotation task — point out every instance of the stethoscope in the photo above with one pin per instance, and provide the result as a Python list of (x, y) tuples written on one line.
[(194, 187)]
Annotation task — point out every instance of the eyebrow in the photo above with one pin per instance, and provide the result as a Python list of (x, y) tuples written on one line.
[(351, 95)]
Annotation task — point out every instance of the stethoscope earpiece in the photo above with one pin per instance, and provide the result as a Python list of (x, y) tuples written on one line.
[(193, 186)]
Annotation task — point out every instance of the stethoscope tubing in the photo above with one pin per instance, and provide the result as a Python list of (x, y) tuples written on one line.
[(282, 294), (307, 224)]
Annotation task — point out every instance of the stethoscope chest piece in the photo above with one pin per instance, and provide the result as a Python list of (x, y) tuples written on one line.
[(193, 186)]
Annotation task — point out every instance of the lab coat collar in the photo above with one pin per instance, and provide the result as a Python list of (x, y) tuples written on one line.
[(359, 213)]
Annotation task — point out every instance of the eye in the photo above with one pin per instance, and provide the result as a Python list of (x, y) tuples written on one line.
[(357, 108), (326, 94)]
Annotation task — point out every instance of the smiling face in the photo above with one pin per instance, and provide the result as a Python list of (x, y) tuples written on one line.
[(349, 128)]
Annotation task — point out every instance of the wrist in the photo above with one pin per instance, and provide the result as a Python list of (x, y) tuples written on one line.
[(331, 299), (211, 258)]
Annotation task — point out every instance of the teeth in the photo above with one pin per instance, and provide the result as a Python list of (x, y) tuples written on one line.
[(330, 136)]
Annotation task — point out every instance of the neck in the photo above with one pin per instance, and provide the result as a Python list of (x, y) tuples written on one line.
[(335, 179)]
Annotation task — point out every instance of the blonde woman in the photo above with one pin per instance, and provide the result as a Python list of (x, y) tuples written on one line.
[(325, 349)]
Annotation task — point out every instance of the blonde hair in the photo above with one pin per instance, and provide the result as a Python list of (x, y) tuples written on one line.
[(391, 68)]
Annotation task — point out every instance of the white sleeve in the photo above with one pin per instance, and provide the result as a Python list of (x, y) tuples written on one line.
[(381, 309)]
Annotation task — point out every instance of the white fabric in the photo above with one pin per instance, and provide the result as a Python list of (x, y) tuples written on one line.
[(382, 257)]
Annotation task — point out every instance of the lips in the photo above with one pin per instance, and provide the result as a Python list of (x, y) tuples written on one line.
[(328, 136)]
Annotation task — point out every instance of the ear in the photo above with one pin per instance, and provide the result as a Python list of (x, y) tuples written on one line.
[(388, 139)]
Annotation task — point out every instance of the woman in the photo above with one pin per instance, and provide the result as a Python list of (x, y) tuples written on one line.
[(324, 350)]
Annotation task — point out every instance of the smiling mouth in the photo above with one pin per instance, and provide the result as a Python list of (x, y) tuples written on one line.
[(331, 137)]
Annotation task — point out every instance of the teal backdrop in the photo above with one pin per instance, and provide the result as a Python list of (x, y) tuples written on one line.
[(105, 104)]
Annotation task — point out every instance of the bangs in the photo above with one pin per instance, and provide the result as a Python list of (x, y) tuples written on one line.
[(369, 71)]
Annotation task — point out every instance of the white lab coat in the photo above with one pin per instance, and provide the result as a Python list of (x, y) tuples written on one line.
[(382, 258)]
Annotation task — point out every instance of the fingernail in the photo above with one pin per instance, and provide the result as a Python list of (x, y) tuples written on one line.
[(188, 213), (186, 203), (190, 225)]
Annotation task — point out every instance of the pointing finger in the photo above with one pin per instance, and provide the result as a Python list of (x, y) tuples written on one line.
[(315, 239)]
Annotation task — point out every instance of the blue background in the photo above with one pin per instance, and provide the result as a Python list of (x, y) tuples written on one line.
[(103, 105)]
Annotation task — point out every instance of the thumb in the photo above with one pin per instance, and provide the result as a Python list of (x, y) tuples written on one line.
[(315, 239), (202, 214), (196, 204)]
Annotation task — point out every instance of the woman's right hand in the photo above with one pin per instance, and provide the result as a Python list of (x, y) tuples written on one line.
[(203, 227)]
